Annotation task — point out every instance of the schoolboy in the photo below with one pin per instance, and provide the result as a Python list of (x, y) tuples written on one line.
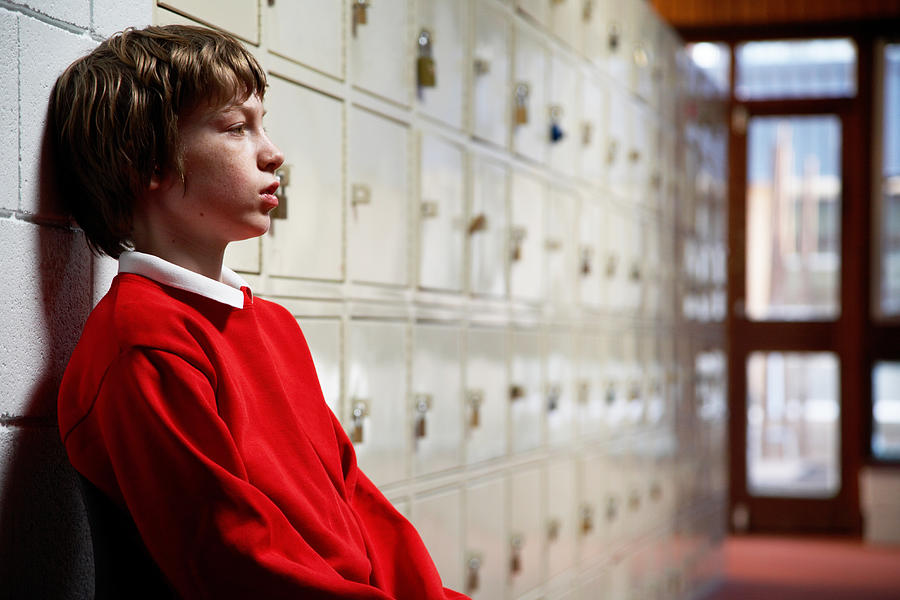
[(188, 402)]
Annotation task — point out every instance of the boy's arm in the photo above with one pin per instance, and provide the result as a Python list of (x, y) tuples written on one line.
[(179, 472)]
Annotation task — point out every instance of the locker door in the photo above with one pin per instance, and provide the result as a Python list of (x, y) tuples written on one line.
[(526, 391), (486, 559), (377, 212), (376, 398), (381, 51), (441, 214), (240, 17), (526, 242), (489, 228), (487, 394), (590, 256), (561, 516), (490, 89), (436, 396), (592, 128), (566, 19), (309, 32), (530, 139), (527, 535), (307, 126), (560, 247), (438, 519), (324, 339), (560, 389), (564, 115), (591, 387), (446, 22)]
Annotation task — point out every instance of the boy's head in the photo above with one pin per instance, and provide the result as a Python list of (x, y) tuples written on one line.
[(114, 117)]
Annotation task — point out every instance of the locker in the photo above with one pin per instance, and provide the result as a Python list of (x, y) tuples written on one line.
[(526, 391), (561, 516), (381, 51), (560, 248), (308, 32), (564, 115), (491, 64), (438, 519), (590, 259), (566, 22), (324, 339), (526, 239), (436, 396), (488, 228), (376, 398), (526, 532), (307, 125), (560, 390), (486, 559), (446, 21), (592, 132), (441, 214), (377, 212), (530, 139), (487, 394), (590, 386), (240, 17)]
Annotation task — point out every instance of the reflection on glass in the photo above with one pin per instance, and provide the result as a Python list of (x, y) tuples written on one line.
[(889, 217), (886, 411), (824, 68), (793, 424), (793, 218), (714, 58)]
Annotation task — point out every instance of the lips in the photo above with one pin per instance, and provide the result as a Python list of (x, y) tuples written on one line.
[(268, 197)]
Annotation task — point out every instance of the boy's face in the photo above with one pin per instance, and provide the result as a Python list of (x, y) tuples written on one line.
[(229, 177)]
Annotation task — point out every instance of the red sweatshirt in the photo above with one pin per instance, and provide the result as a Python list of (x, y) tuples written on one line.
[(201, 413)]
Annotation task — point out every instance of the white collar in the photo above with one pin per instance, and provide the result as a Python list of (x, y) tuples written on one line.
[(228, 291)]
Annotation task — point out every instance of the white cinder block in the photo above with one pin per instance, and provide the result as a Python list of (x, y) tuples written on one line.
[(44, 310), (111, 16), (44, 52), (45, 541), (9, 111), (76, 12)]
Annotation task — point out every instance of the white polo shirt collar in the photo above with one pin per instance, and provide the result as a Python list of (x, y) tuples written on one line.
[(228, 291)]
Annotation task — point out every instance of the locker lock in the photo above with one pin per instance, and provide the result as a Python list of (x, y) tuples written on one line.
[(358, 414), (655, 491), (587, 10), (611, 151), (482, 66), (523, 90), (360, 193), (612, 264), (517, 236), (516, 542), (556, 131), (478, 223), (473, 566), (360, 13), (587, 256), (553, 528), (587, 518), (584, 392), (634, 500), (640, 56), (426, 75), (612, 508), (429, 209), (587, 133), (636, 272), (613, 38), (553, 393), (610, 394), (423, 405), (474, 398), (283, 176), (516, 392)]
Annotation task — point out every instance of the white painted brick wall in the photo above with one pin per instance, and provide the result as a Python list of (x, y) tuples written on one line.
[(50, 283)]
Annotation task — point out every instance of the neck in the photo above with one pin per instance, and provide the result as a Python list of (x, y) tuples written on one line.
[(183, 252)]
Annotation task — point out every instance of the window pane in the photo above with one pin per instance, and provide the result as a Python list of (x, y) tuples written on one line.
[(793, 218), (793, 424), (888, 215), (796, 69), (886, 410)]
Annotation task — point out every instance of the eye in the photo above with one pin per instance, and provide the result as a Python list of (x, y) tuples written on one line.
[(238, 129)]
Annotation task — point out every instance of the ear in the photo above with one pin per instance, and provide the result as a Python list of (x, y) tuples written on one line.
[(155, 180)]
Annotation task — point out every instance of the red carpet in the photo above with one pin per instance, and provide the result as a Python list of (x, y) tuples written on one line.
[(779, 568)]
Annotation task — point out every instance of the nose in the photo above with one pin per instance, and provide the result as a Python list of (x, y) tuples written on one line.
[(270, 156)]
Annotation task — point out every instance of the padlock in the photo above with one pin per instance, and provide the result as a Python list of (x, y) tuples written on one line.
[(553, 394), (358, 414), (283, 175), (425, 67), (611, 151), (553, 528), (584, 391), (521, 103), (478, 223), (515, 563), (613, 39), (587, 11), (610, 394), (360, 13), (612, 508), (423, 404), (587, 518), (475, 399), (517, 236), (587, 133), (556, 132), (612, 263), (516, 392), (473, 566), (587, 254)]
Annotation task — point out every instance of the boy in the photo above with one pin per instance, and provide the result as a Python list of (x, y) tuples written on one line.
[(188, 402)]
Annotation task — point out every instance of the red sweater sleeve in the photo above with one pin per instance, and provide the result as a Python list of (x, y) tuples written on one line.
[(180, 474)]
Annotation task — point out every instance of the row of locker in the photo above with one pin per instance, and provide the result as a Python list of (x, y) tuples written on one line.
[(433, 397), (505, 536), (546, 105)]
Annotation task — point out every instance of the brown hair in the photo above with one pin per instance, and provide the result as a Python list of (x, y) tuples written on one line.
[(114, 114)]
